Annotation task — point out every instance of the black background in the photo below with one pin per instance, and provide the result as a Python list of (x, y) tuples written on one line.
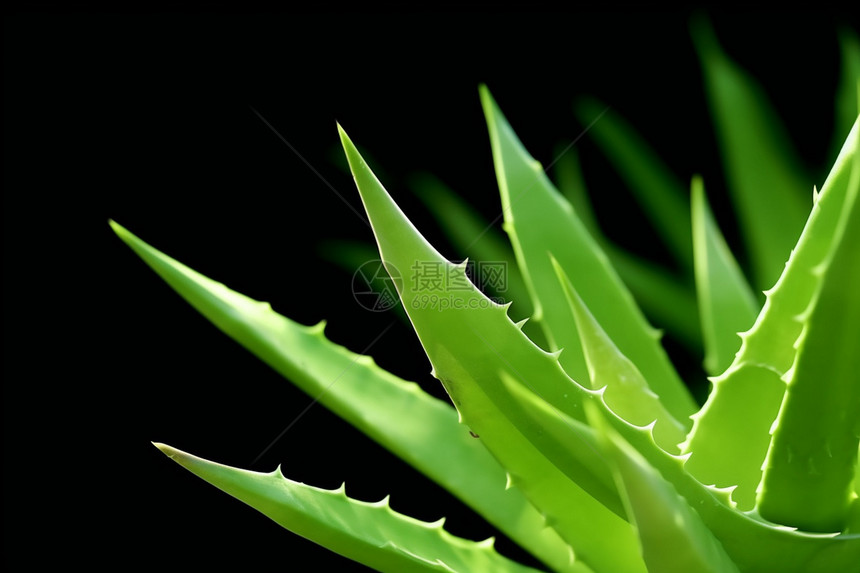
[(145, 117)]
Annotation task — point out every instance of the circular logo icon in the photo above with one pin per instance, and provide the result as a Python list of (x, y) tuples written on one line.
[(374, 287)]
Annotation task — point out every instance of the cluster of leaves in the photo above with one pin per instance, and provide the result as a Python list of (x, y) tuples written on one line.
[(597, 458)]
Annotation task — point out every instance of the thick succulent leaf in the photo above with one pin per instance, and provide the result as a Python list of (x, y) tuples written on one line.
[(846, 93), (420, 429), (574, 449), (657, 190), (753, 544), (539, 220), (664, 298), (469, 339), (624, 388), (475, 238), (767, 185), (731, 434), (809, 472), (674, 538), (776, 328), (726, 302), (370, 533)]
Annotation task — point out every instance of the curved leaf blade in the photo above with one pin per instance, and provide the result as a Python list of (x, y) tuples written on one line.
[(370, 533), (622, 385), (475, 237), (731, 434), (754, 545), (674, 538), (574, 449), (540, 221), (468, 340), (727, 304), (809, 472), (397, 414)]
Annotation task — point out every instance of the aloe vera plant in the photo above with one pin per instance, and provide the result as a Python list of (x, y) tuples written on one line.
[(591, 453)]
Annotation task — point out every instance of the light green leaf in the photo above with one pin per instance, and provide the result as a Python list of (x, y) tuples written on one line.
[(809, 472), (474, 237), (468, 340), (753, 544), (624, 389), (370, 533), (573, 449), (674, 538), (731, 434), (539, 220), (397, 414), (657, 190), (768, 186), (726, 301)]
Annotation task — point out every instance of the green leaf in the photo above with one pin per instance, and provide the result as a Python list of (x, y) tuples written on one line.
[(674, 538), (731, 434), (624, 388), (473, 236), (468, 340), (754, 545), (656, 189), (539, 220), (410, 423), (370, 533), (573, 448), (769, 189), (726, 301), (809, 472)]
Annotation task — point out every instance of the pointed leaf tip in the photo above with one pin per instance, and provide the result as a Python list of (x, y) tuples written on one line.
[(538, 219), (120, 231), (727, 304), (403, 419), (615, 376), (365, 532)]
